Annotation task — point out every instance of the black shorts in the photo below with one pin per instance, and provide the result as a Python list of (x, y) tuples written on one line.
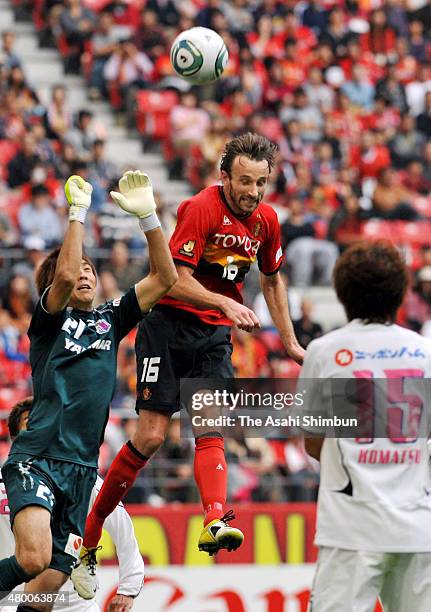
[(172, 344)]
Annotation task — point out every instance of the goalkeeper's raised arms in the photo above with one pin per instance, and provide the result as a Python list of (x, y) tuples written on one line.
[(78, 195), (136, 198)]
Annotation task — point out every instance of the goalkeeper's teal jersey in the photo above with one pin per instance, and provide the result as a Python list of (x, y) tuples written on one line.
[(73, 355)]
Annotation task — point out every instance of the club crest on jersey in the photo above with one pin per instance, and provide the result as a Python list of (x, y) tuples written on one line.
[(187, 248), (226, 221), (343, 357), (102, 326), (256, 229), (146, 394)]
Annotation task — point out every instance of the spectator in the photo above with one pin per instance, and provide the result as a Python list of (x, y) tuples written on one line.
[(126, 71), (318, 92), (391, 200), (370, 158), (359, 91), (345, 224), (308, 116), (103, 45), (83, 135), (124, 271), (34, 255), (309, 259), (21, 165), (108, 288), (418, 43), (423, 121), (407, 142), (7, 233), (380, 39), (149, 36), (391, 90), (239, 18), (18, 302), (100, 169), (189, 125), (305, 328), (115, 225), (336, 34), (205, 15), (166, 11), (315, 17), (426, 152), (78, 23), (58, 117), (38, 218), (175, 459), (413, 178), (10, 59), (417, 305), (417, 89)]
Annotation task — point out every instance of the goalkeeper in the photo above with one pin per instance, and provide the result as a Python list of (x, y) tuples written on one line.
[(51, 468)]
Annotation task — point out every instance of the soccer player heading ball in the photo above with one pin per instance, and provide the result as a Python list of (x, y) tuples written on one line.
[(374, 506), (220, 232), (51, 468)]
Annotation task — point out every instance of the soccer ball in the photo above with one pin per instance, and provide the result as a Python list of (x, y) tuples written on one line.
[(199, 55)]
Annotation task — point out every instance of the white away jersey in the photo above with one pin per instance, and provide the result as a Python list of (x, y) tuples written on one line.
[(375, 492), (120, 528)]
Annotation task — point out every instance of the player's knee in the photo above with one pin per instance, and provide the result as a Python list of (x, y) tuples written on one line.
[(34, 562), (149, 442)]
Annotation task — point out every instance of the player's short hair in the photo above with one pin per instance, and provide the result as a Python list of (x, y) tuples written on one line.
[(46, 271), (371, 279), (253, 146), (15, 415)]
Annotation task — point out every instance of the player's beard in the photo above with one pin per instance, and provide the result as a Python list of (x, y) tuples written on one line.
[(237, 202)]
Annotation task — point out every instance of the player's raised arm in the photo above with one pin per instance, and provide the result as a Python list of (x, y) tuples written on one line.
[(275, 296), (78, 194), (136, 198)]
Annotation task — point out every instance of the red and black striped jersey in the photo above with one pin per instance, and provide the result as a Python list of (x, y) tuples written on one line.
[(220, 247)]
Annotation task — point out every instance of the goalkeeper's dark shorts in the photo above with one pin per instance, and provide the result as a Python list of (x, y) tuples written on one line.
[(64, 489), (172, 344)]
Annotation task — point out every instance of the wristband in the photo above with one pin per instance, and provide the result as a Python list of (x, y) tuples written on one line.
[(77, 213), (149, 223)]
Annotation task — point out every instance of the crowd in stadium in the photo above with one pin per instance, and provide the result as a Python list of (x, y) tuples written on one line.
[(344, 88)]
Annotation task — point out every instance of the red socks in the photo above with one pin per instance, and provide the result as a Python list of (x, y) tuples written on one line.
[(211, 476), (119, 479)]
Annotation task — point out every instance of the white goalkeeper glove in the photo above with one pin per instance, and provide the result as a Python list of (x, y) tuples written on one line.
[(136, 198), (78, 195)]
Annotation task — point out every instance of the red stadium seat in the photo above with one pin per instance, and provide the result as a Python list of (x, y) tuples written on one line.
[(375, 229), (423, 205), (413, 233), (153, 109), (8, 149)]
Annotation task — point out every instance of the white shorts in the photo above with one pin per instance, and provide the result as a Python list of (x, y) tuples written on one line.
[(352, 581)]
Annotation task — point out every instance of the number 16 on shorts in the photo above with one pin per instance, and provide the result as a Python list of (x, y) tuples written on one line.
[(150, 369)]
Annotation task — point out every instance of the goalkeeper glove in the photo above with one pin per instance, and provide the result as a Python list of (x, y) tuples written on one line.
[(78, 195), (136, 198)]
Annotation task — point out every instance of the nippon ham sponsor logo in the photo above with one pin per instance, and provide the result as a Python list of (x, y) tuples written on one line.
[(228, 241), (343, 357)]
